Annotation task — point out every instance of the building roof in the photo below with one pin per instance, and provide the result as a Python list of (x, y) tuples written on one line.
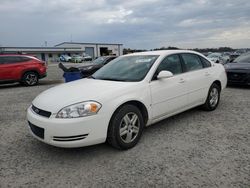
[(88, 43), (40, 49), (31, 47)]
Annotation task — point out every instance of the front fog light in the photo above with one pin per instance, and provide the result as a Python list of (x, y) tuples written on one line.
[(79, 110)]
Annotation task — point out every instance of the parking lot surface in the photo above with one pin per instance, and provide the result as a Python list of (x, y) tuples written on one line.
[(192, 149)]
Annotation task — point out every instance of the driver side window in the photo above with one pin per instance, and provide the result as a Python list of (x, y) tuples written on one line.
[(171, 63)]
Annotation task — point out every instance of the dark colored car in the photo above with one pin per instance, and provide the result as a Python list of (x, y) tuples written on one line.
[(238, 71), (21, 68), (232, 57), (89, 69)]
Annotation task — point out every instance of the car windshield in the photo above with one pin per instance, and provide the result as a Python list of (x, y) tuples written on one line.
[(244, 58), (99, 60), (126, 68)]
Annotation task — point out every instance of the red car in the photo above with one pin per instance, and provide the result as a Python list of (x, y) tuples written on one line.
[(21, 68)]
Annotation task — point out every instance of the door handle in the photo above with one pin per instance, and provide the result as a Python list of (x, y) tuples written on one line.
[(181, 80), (207, 74)]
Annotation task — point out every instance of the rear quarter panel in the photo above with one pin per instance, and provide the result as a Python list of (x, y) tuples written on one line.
[(32, 66), (220, 74)]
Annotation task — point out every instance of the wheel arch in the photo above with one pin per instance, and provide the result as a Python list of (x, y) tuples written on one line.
[(217, 82), (143, 109), (29, 70)]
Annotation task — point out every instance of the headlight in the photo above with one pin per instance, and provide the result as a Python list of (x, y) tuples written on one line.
[(79, 110)]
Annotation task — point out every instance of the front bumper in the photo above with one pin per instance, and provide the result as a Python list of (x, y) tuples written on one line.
[(75, 132), (238, 77)]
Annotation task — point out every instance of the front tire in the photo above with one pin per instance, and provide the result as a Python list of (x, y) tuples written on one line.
[(30, 79), (126, 127), (213, 98)]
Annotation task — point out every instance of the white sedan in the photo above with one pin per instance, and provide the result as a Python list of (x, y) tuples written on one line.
[(120, 99)]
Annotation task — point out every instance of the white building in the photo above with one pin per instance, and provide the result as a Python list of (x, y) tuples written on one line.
[(69, 48), (95, 49), (43, 53)]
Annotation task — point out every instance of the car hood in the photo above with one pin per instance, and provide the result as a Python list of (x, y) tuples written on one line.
[(66, 94), (237, 66)]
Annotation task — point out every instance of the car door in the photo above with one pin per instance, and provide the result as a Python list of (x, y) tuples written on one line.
[(198, 77), (9, 67), (1, 68), (169, 95), (6, 68)]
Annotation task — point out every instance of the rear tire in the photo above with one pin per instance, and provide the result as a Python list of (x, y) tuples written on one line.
[(126, 127), (213, 98), (30, 79)]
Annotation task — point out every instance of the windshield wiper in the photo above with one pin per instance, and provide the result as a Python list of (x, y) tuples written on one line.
[(113, 79)]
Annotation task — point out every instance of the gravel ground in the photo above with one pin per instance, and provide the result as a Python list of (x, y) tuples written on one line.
[(192, 149)]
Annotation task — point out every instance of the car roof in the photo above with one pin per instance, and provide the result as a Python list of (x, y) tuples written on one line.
[(19, 55), (163, 52), (25, 55)]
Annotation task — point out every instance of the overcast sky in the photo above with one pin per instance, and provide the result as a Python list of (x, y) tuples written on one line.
[(137, 24)]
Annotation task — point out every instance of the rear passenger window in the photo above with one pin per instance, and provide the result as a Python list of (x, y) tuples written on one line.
[(192, 62), (9, 60), (171, 63), (12, 59), (15, 59), (205, 62), (24, 59)]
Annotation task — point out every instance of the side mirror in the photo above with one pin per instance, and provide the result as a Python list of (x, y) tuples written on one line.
[(165, 74)]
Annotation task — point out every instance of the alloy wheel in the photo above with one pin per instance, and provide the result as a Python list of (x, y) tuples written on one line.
[(31, 79), (214, 97), (129, 127)]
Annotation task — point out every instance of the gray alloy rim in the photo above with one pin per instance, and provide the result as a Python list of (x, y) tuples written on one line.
[(31, 79), (129, 127), (214, 97)]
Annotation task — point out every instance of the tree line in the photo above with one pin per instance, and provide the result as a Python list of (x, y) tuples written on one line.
[(202, 50)]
